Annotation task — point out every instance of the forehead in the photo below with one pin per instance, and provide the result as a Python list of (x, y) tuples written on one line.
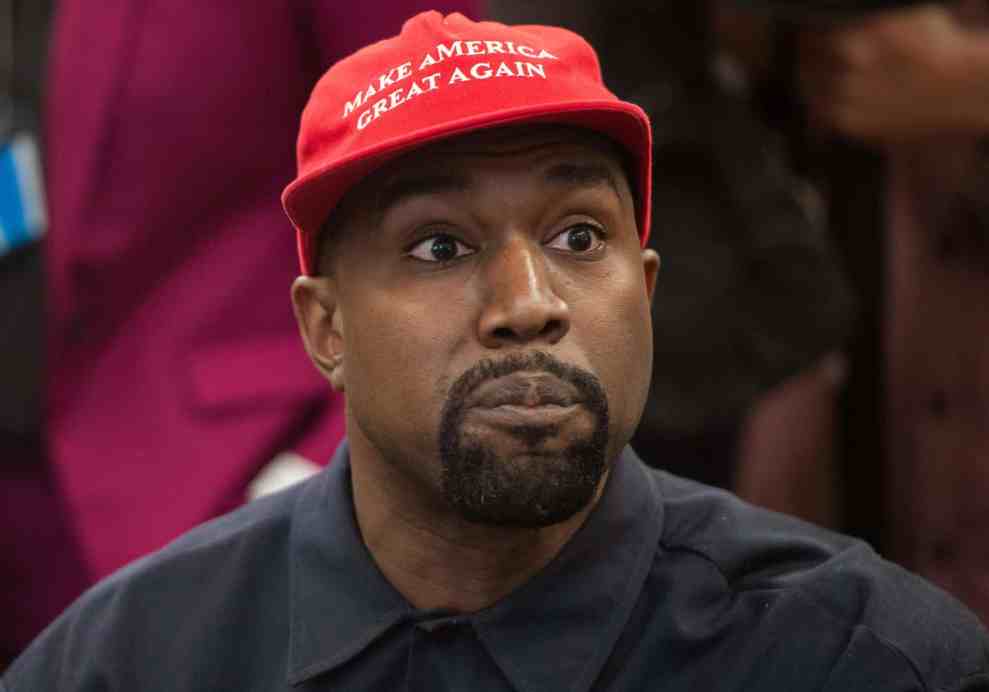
[(515, 149)]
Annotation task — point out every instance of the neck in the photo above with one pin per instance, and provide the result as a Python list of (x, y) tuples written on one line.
[(436, 559)]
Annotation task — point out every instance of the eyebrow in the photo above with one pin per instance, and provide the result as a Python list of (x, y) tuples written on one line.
[(583, 175), (407, 187), (571, 174)]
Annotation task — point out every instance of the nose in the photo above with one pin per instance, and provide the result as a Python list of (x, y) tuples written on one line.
[(521, 305)]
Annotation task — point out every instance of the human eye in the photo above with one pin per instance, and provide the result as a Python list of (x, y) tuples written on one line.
[(439, 248), (582, 238)]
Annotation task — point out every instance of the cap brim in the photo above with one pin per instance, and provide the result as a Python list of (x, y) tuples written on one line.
[(309, 200)]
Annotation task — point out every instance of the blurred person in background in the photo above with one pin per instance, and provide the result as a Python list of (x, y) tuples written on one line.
[(40, 566), (913, 85), (753, 301), (896, 116), (174, 374)]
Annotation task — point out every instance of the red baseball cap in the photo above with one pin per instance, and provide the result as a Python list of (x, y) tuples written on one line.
[(442, 77)]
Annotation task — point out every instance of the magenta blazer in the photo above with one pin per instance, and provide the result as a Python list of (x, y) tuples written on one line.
[(176, 368)]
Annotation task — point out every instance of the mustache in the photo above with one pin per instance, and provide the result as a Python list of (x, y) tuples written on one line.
[(587, 385)]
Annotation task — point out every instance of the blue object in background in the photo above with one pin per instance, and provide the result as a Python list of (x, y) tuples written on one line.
[(22, 203)]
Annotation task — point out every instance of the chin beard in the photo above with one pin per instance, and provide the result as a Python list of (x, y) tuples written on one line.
[(532, 488)]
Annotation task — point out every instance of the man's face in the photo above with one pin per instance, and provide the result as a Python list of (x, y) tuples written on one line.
[(490, 302)]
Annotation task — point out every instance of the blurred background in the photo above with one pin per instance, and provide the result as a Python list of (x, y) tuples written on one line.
[(820, 205)]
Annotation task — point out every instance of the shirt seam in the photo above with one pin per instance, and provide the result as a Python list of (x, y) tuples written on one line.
[(669, 548), (893, 647), (977, 676), (901, 653), (824, 609)]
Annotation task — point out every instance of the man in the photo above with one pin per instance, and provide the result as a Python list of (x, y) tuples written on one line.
[(471, 206)]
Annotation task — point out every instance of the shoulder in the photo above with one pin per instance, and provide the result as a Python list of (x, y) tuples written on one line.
[(230, 574), (788, 565)]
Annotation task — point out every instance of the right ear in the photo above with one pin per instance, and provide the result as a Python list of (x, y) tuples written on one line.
[(315, 302)]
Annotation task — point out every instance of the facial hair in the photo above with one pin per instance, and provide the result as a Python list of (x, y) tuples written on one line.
[(538, 487)]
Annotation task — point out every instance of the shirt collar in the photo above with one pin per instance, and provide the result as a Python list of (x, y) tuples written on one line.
[(557, 630), (340, 601), (553, 633)]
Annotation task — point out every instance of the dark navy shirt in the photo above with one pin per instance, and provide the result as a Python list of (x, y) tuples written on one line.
[(669, 585)]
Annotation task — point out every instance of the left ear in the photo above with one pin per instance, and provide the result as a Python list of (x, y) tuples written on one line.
[(650, 270)]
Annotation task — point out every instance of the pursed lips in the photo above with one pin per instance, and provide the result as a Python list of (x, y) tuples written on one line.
[(524, 389)]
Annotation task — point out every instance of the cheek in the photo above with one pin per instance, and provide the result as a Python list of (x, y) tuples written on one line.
[(617, 334), (398, 355)]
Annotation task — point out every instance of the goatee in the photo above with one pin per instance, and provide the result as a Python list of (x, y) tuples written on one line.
[(538, 486)]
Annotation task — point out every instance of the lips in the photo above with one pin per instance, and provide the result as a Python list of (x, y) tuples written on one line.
[(524, 390)]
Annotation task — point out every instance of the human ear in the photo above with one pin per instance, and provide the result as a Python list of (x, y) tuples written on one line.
[(314, 301), (650, 270)]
